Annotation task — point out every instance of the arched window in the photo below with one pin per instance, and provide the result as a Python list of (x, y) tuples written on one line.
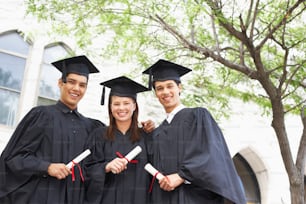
[(248, 179), (48, 89), (13, 55)]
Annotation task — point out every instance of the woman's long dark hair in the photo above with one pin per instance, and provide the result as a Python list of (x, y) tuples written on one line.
[(135, 131)]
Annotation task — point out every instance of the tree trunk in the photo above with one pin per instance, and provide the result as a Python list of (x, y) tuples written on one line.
[(297, 191), (295, 175)]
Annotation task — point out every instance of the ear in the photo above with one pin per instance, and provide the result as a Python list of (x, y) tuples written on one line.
[(60, 83), (180, 86)]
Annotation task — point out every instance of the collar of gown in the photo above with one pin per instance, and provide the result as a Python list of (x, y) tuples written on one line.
[(65, 108), (171, 115)]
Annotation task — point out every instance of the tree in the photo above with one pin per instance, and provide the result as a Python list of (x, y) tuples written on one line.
[(250, 49)]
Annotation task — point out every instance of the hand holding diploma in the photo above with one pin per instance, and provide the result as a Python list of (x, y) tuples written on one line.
[(167, 183), (117, 165), (132, 154), (79, 158), (155, 173), (76, 162), (149, 168)]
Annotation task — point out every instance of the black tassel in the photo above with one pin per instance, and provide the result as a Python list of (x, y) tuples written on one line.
[(150, 79), (64, 72), (103, 96)]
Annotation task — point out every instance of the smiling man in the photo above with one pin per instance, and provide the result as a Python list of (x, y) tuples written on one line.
[(33, 164), (189, 148)]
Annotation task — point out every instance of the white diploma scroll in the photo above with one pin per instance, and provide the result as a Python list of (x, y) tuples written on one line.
[(79, 158), (149, 168), (133, 153)]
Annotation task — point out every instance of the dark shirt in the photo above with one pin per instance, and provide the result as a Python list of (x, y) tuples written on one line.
[(47, 134)]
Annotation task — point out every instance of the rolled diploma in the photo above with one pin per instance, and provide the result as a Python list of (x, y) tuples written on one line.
[(149, 168), (79, 158), (133, 153)]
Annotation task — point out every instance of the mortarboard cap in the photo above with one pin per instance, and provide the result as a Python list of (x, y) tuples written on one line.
[(78, 65), (164, 70), (122, 86)]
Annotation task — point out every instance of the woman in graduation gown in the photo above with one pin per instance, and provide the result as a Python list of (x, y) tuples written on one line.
[(33, 164), (113, 179), (189, 149)]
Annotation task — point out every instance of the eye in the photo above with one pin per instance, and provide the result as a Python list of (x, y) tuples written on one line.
[(71, 82), (83, 85), (159, 88), (170, 86)]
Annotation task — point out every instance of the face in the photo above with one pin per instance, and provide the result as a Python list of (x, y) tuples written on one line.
[(73, 90), (122, 108), (168, 94)]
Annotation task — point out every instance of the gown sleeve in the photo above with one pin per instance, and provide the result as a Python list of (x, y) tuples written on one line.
[(207, 162), (94, 167), (18, 160)]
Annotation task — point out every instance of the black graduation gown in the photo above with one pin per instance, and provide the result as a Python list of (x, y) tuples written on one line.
[(47, 134), (128, 187), (193, 146)]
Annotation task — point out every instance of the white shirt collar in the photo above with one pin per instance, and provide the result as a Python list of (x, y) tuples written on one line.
[(175, 111)]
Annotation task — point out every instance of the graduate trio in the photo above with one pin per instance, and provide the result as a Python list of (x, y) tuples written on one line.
[(188, 147)]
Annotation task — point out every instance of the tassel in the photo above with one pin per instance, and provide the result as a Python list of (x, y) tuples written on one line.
[(64, 72), (150, 79), (103, 96)]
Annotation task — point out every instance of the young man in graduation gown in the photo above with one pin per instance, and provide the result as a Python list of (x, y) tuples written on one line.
[(117, 180), (189, 148), (33, 164)]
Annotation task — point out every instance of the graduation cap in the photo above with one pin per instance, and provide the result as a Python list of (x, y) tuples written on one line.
[(78, 65), (164, 70), (122, 86)]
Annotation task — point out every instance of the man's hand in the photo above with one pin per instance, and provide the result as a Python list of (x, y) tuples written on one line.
[(170, 182), (148, 126), (58, 170)]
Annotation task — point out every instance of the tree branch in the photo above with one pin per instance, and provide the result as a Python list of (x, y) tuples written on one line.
[(282, 22), (206, 52)]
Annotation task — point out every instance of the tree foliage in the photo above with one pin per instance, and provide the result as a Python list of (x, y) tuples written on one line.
[(237, 34), (249, 49)]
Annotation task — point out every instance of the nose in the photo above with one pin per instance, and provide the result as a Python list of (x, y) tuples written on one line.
[(76, 87), (165, 91)]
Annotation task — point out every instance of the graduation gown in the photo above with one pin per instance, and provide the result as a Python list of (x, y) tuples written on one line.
[(47, 134), (193, 146), (128, 187)]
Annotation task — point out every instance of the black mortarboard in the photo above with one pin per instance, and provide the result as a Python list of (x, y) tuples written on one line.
[(77, 65), (122, 86), (164, 70)]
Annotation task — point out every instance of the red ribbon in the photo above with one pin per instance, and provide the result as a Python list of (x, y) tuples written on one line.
[(80, 170), (153, 179), (152, 182), (133, 161)]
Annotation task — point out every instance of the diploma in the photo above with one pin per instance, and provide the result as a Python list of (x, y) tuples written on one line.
[(133, 153), (130, 156), (149, 168), (79, 158)]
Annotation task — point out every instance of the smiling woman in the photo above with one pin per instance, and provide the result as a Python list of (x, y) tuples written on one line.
[(122, 109), (121, 182)]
